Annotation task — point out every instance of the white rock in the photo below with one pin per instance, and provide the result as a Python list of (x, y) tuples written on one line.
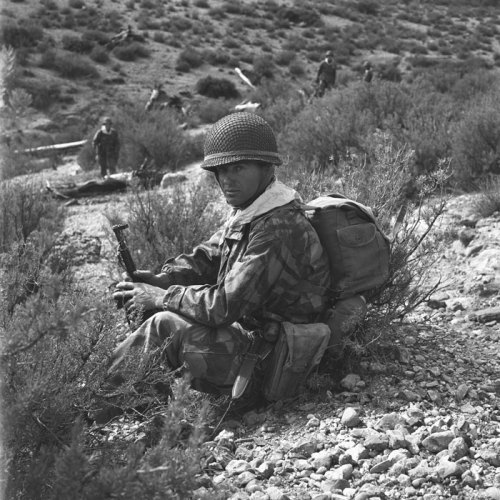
[(350, 417), (235, 467), (350, 381)]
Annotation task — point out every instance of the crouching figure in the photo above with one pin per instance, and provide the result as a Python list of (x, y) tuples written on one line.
[(263, 269)]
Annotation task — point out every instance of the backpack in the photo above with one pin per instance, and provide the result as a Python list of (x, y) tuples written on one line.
[(358, 253)]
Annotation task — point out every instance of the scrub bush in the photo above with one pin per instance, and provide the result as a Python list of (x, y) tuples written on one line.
[(488, 201), (381, 183), (164, 224), (55, 340), (188, 59), (24, 33), (77, 44), (131, 52), (210, 86), (210, 110), (99, 55), (476, 141), (69, 66), (147, 134)]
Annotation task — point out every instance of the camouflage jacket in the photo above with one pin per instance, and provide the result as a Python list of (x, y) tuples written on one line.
[(267, 266)]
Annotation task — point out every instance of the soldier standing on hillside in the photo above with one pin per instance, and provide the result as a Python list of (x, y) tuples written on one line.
[(327, 74), (106, 144), (368, 72)]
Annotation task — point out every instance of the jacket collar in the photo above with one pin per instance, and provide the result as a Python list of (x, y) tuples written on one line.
[(276, 195)]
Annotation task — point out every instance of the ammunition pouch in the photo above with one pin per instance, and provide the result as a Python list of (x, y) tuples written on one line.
[(298, 350)]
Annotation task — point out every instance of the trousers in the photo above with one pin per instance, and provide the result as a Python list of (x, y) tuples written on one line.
[(212, 355), (107, 163)]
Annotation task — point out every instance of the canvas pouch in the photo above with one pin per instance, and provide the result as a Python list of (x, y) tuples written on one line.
[(297, 352)]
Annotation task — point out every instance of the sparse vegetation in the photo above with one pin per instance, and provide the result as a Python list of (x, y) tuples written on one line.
[(24, 33), (77, 44), (68, 66), (488, 201), (428, 122), (217, 87), (131, 51), (99, 55), (188, 59)]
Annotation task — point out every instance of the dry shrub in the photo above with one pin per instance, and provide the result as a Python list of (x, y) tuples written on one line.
[(148, 134), (69, 65), (476, 147), (46, 341), (131, 52), (488, 201), (165, 223), (55, 344), (188, 59), (210, 86), (25, 210), (326, 131), (379, 179), (24, 33), (210, 110)]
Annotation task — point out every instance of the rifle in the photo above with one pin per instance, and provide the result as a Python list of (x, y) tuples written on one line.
[(126, 261), (124, 255)]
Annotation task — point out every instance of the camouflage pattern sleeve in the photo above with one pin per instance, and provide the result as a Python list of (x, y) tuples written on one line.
[(241, 292), (197, 268), (274, 267)]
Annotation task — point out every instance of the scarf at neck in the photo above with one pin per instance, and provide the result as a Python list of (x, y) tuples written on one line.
[(276, 195)]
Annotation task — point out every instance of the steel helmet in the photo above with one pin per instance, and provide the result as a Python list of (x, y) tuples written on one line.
[(240, 136)]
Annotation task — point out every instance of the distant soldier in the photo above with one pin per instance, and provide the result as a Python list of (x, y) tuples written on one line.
[(106, 144), (327, 74), (368, 72)]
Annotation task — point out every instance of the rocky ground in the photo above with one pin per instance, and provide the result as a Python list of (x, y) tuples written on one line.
[(422, 422)]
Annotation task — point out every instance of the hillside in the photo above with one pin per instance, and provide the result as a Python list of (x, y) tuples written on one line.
[(73, 77), (411, 411), (420, 419)]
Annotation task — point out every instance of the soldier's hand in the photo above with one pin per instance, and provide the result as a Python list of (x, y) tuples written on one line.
[(160, 280), (138, 296)]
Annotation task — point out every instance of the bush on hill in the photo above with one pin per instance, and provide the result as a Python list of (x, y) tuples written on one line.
[(77, 44), (476, 143), (24, 33), (147, 134), (96, 36), (188, 59), (131, 52), (68, 66), (99, 55), (210, 110), (306, 15), (210, 86)]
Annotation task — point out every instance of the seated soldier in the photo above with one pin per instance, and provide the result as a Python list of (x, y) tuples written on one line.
[(265, 266)]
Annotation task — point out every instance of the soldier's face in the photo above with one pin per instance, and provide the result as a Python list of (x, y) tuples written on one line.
[(242, 182)]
